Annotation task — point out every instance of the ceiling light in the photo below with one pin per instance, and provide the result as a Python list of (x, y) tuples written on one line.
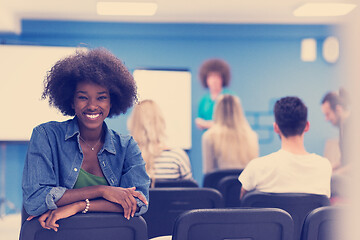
[(323, 9), (126, 8)]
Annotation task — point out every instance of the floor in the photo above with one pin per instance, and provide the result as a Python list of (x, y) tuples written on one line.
[(10, 226)]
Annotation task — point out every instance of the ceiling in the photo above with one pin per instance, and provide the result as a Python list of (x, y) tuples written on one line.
[(169, 11)]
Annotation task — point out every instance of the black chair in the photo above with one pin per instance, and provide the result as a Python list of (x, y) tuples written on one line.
[(298, 205), (160, 183), (230, 188), (322, 224), (166, 204), (89, 226), (211, 180), (241, 224)]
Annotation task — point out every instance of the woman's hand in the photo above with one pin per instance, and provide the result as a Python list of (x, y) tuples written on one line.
[(48, 219), (125, 197)]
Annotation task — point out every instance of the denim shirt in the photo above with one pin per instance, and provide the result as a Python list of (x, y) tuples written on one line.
[(54, 158)]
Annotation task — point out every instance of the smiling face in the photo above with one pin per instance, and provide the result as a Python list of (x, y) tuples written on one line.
[(92, 105)]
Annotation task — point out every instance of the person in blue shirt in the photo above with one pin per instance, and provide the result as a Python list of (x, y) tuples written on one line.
[(215, 75), (81, 165)]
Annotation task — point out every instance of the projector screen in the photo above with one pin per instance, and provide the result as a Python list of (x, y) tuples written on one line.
[(22, 71)]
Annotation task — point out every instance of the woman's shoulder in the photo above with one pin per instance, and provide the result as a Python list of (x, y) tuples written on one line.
[(53, 125), (176, 152), (119, 138)]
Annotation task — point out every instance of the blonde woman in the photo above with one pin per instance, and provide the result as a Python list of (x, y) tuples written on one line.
[(230, 143), (147, 125)]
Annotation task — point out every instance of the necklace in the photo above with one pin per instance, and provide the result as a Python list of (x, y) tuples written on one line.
[(92, 148)]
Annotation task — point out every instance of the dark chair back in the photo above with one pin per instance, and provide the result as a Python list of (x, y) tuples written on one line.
[(166, 204), (244, 224), (211, 180), (89, 226), (230, 188), (160, 183), (322, 224), (298, 205)]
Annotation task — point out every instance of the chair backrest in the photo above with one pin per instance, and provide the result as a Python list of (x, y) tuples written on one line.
[(244, 224), (322, 224), (166, 204), (298, 205), (160, 183), (211, 180), (90, 226), (230, 188)]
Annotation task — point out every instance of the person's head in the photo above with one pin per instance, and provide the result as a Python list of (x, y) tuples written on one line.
[(98, 69), (290, 117), (228, 111), (334, 106), (147, 125), (231, 136), (214, 73)]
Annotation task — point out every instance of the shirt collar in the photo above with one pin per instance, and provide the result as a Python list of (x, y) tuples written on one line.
[(73, 130)]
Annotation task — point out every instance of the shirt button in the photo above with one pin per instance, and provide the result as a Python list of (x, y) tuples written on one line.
[(75, 169)]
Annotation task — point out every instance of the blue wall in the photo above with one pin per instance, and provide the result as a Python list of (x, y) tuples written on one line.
[(265, 61)]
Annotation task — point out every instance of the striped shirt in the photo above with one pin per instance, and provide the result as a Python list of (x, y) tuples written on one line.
[(172, 164)]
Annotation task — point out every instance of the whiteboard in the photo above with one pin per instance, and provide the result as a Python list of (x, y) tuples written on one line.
[(171, 90), (22, 71)]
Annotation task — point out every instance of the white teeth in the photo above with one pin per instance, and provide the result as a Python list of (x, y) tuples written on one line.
[(92, 116)]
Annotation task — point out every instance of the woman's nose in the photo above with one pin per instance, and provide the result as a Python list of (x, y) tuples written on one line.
[(92, 105)]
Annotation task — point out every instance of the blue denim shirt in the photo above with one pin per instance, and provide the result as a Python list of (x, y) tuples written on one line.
[(55, 156)]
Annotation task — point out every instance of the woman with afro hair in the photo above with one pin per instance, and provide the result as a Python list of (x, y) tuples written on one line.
[(81, 165), (215, 75)]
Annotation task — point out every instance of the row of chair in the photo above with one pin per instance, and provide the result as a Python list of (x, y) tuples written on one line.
[(169, 199), (209, 224), (225, 181)]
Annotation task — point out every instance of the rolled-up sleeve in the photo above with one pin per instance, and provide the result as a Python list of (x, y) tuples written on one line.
[(134, 174), (39, 183)]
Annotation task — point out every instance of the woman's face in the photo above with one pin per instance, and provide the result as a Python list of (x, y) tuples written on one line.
[(214, 81), (91, 104)]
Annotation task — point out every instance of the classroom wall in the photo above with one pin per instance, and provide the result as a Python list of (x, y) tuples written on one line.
[(265, 61)]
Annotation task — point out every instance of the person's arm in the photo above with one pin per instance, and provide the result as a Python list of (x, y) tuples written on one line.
[(48, 220), (242, 193), (203, 124), (40, 178), (207, 154), (125, 197), (184, 164), (134, 175)]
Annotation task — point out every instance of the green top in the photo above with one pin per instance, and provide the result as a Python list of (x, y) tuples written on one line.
[(86, 179), (206, 105)]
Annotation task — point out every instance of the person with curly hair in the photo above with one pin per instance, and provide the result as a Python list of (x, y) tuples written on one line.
[(81, 165), (214, 74)]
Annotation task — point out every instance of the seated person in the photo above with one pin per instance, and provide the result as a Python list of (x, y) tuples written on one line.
[(147, 125), (81, 165), (291, 169), (230, 143)]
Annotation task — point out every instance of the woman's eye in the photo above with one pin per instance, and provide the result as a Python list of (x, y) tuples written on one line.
[(82, 97), (102, 98)]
